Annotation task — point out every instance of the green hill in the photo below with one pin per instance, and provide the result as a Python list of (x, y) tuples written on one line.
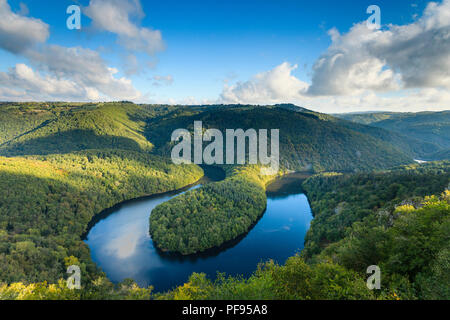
[(111, 126), (54, 186), (428, 127), (440, 155), (308, 141), (50, 200), (219, 212)]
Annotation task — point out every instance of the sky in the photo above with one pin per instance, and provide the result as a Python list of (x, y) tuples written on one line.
[(321, 55)]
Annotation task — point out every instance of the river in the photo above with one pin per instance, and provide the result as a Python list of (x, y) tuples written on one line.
[(121, 245)]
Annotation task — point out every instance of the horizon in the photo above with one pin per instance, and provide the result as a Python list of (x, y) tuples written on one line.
[(223, 105), (330, 58)]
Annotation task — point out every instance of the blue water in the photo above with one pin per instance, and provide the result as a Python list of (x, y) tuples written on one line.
[(121, 245)]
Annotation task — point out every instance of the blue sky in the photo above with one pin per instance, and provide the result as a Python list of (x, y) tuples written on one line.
[(212, 44)]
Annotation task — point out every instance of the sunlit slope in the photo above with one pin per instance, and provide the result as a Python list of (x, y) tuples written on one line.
[(100, 126), (16, 120)]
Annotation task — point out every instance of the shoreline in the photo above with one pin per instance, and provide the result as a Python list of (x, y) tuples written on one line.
[(298, 176), (211, 176)]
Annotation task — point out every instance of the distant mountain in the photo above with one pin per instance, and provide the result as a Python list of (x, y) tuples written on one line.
[(441, 155), (432, 128)]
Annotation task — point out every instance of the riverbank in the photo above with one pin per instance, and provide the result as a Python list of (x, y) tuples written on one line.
[(206, 218), (121, 246)]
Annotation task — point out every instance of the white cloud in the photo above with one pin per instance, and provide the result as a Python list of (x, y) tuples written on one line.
[(399, 68), (266, 87), (23, 83), (416, 55), (55, 72), (280, 86), (115, 16), (18, 33), (86, 68)]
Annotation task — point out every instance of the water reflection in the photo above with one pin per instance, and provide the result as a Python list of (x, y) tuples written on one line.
[(120, 243)]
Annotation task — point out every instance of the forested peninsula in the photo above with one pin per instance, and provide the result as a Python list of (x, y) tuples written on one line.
[(212, 215)]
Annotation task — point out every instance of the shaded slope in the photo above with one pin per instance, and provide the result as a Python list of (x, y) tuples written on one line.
[(431, 128), (308, 141)]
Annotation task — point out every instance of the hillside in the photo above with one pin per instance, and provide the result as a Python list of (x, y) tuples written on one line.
[(440, 155), (82, 158), (54, 187), (112, 126), (49, 201), (396, 219), (308, 141), (428, 127)]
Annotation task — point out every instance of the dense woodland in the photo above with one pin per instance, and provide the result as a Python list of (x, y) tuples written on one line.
[(209, 216), (339, 200), (408, 238), (309, 141), (64, 163), (48, 202), (431, 128)]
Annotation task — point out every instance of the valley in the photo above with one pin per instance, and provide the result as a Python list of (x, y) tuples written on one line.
[(71, 170)]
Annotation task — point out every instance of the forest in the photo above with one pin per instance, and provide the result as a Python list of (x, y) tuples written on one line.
[(212, 215), (406, 237), (399, 220), (48, 202), (61, 164), (309, 141), (432, 129)]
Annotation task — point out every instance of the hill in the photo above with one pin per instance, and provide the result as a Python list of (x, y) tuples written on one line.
[(54, 186), (308, 141), (74, 128), (428, 127), (48, 202)]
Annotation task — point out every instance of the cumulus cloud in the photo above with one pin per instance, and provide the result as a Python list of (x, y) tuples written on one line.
[(18, 33), (55, 72), (266, 87), (399, 68), (116, 16), (86, 67), (416, 55), (280, 86), (23, 83)]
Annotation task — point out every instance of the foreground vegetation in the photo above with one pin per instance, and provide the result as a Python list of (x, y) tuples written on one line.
[(340, 200), (388, 223), (405, 234)]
